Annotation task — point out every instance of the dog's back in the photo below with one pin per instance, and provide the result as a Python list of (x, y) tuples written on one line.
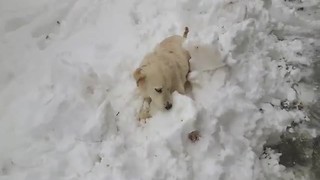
[(171, 47), (173, 44), (168, 56)]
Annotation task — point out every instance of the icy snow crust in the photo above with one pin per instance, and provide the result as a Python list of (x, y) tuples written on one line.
[(68, 101)]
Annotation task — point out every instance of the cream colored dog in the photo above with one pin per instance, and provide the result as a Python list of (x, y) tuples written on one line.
[(162, 72)]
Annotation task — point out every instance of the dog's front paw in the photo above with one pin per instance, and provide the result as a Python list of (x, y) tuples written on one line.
[(144, 115)]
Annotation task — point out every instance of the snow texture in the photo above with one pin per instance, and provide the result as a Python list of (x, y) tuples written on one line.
[(69, 104)]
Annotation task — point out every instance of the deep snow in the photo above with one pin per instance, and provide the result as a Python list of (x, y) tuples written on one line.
[(68, 101)]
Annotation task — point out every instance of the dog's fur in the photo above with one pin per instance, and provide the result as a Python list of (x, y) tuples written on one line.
[(162, 72)]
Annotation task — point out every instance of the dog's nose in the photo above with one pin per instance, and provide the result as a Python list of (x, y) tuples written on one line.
[(168, 106)]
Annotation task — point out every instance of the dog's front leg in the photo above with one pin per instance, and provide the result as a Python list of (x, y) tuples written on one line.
[(144, 113), (181, 88)]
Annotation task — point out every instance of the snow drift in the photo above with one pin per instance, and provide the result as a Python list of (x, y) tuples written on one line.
[(68, 103)]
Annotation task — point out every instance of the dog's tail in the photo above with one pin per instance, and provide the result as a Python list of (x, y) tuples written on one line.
[(186, 31)]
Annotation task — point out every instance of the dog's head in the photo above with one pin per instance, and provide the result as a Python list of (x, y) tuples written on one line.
[(154, 86)]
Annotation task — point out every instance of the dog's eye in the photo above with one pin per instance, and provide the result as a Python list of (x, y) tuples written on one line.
[(159, 90)]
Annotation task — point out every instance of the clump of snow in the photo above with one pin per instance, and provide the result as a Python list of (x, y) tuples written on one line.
[(68, 102)]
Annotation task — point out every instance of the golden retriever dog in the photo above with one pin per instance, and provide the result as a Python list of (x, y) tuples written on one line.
[(162, 72)]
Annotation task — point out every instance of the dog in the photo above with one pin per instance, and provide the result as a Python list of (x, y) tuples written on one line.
[(162, 72)]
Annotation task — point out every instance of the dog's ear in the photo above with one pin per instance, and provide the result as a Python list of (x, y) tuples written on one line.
[(139, 76)]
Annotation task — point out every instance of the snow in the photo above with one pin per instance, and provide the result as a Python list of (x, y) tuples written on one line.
[(68, 102)]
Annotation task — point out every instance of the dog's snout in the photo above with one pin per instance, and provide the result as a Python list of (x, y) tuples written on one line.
[(168, 106)]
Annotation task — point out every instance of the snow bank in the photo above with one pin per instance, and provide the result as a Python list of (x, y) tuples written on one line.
[(69, 106)]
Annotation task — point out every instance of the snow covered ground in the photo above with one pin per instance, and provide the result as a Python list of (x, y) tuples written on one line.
[(68, 102)]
